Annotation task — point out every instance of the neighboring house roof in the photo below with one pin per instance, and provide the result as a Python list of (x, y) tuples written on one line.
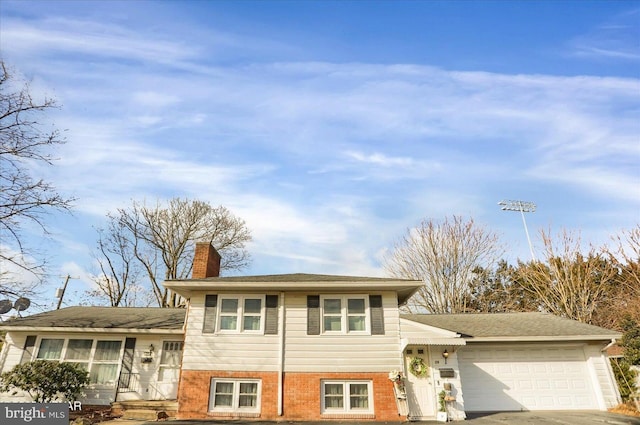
[(297, 282), (99, 319), (513, 327)]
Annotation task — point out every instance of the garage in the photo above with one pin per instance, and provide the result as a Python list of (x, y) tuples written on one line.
[(525, 377), (520, 361)]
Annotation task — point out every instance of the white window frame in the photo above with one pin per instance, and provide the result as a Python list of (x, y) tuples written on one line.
[(86, 362), (240, 314), (346, 402), (344, 315), (235, 407)]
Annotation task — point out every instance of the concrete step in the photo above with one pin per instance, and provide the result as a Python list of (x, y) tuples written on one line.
[(147, 415)]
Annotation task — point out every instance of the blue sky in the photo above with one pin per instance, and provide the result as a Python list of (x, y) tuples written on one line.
[(332, 127)]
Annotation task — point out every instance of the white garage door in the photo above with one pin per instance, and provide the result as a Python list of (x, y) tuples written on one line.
[(525, 377)]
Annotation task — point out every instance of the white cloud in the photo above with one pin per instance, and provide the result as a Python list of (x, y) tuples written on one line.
[(380, 159), (325, 161)]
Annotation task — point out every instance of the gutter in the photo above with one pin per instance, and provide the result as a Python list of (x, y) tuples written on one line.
[(609, 345), (179, 331), (558, 338)]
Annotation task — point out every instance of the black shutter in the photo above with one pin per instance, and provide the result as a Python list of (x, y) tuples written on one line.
[(127, 363), (377, 314), (27, 353), (271, 318), (313, 314), (210, 304)]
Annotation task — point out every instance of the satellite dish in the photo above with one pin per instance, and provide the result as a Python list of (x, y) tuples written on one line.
[(22, 304), (5, 306)]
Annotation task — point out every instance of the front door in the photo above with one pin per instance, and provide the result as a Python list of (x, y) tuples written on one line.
[(169, 370), (420, 392)]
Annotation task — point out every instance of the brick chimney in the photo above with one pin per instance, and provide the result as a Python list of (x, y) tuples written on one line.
[(206, 261)]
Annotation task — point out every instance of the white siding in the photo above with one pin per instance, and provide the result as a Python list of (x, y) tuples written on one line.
[(12, 350), (11, 355), (303, 353), (603, 377), (340, 353), (147, 373), (232, 352)]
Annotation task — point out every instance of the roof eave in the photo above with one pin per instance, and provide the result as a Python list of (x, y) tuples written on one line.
[(93, 330), (187, 288), (551, 338)]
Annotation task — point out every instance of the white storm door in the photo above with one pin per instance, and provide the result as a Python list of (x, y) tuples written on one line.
[(421, 397)]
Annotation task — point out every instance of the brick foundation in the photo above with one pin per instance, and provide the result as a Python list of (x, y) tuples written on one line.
[(301, 396)]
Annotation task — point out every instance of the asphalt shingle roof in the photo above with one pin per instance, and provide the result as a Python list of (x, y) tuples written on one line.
[(104, 317), (301, 277), (488, 325)]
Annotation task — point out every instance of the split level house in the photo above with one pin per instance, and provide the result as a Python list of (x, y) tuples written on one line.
[(318, 347)]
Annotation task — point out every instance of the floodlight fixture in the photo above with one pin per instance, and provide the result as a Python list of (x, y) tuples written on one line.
[(523, 207)]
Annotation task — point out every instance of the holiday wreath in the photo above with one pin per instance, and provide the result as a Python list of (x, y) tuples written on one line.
[(418, 368)]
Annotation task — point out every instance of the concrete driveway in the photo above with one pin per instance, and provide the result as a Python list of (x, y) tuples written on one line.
[(507, 418)]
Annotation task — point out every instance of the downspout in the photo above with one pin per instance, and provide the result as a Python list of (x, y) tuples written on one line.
[(281, 317), (184, 346)]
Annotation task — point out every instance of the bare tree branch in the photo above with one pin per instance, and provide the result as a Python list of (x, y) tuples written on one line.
[(162, 239), (24, 198), (445, 257), (569, 282)]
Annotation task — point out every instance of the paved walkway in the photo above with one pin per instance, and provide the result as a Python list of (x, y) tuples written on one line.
[(507, 418)]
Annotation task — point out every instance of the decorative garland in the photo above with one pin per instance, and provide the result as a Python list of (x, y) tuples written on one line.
[(418, 368)]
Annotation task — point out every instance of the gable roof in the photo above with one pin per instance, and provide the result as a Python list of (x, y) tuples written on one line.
[(99, 319), (301, 282), (513, 326)]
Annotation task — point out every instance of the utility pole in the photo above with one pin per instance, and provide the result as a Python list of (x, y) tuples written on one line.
[(60, 291), (523, 207)]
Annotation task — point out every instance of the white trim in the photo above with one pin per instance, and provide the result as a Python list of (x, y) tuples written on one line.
[(66, 330), (561, 338), (240, 314), (235, 408), (344, 314), (346, 405), (90, 362)]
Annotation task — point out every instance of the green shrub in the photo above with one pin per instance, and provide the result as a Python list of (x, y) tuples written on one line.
[(46, 381), (625, 377)]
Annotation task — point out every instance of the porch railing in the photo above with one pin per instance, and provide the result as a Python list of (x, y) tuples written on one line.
[(128, 382)]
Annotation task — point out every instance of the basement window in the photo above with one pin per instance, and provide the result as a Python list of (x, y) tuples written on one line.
[(235, 395), (347, 397)]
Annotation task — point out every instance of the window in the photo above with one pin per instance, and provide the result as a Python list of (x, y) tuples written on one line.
[(242, 314), (235, 395), (346, 397), (50, 349), (105, 363), (347, 314), (170, 361), (79, 352), (100, 358)]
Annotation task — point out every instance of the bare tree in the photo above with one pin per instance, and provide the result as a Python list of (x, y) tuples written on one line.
[(445, 256), (569, 282), (118, 279), (623, 299), (24, 197), (162, 239)]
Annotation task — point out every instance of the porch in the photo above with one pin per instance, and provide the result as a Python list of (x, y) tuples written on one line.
[(149, 410)]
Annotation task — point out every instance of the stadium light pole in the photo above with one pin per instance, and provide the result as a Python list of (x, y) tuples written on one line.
[(523, 207)]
